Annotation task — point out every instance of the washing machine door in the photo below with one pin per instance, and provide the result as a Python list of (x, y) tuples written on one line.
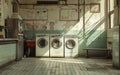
[(42, 42), (70, 44), (56, 43)]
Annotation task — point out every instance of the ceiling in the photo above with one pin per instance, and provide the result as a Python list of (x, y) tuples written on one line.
[(33, 1), (27, 2)]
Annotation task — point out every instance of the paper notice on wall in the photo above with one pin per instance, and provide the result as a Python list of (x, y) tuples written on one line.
[(41, 14), (68, 14), (34, 14)]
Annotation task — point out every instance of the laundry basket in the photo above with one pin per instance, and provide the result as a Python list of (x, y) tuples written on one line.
[(30, 52)]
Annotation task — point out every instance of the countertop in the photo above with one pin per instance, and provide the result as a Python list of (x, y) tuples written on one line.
[(8, 41)]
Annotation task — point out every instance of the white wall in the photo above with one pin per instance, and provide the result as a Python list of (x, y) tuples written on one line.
[(7, 10)]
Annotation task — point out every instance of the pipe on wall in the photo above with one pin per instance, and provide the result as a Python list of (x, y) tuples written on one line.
[(78, 10), (84, 19)]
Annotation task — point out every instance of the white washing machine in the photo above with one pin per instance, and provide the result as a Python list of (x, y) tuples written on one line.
[(71, 45), (42, 45), (56, 45)]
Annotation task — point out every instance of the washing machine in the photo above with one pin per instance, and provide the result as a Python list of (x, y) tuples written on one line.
[(71, 45), (56, 45), (42, 45)]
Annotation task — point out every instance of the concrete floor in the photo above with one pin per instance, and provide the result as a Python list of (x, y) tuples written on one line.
[(60, 66)]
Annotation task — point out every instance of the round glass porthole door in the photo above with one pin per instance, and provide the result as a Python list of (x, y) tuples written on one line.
[(70, 44), (42, 43), (56, 43)]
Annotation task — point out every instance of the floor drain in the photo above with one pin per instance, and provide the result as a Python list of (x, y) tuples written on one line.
[(96, 69)]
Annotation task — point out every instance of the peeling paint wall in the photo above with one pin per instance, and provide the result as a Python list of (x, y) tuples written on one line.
[(90, 25)]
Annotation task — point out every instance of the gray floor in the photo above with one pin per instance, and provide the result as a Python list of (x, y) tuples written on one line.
[(60, 66)]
